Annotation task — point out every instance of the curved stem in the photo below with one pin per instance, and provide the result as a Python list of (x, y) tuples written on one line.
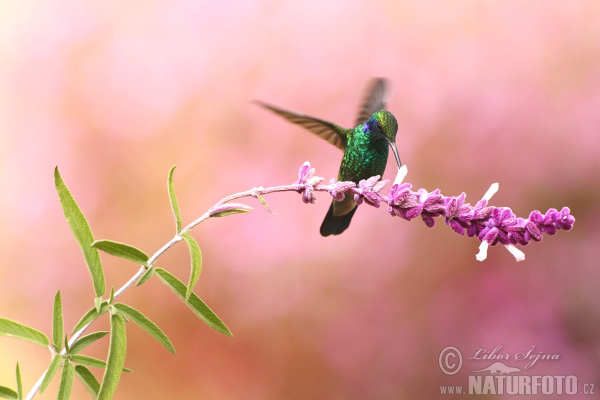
[(131, 282)]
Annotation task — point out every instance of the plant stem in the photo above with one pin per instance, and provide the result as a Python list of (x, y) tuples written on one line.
[(131, 282)]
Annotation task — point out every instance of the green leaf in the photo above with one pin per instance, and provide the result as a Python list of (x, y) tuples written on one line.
[(145, 276), (98, 303), (173, 198), (230, 208), (15, 329), (264, 204), (111, 299), (145, 324), (51, 371), (195, 303), (91, 315), (67, 349), (116, 357), (121, 250), (88, 379), (88, 361), (19, 383), (91, 361), (86, 340), (8, 393), (57, 322), (66, 381), (196, 256), (83, 233)]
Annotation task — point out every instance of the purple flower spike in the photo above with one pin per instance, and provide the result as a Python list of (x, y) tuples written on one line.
[(491, 225)]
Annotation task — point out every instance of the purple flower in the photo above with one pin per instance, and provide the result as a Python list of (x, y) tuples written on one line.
[(401, 200), (498, 226), (458, 214), (564, 219), (306, 183), (430, 205), (338, 189), (368, 190), (480, 215)]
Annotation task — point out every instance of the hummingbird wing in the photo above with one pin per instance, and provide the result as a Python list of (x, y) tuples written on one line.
[(375, 99), (332, 133)]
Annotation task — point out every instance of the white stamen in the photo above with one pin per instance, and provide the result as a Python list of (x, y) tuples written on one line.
[(491, 191), (483, 248), (402, 171), (518, 254)]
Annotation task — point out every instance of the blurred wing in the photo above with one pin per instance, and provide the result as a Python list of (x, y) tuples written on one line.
[(334, 134), (375, 99)]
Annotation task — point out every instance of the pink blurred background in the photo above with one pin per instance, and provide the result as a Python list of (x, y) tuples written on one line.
[(115, 93)]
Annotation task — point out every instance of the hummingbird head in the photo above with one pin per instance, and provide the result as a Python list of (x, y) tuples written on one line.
[(383, 124)]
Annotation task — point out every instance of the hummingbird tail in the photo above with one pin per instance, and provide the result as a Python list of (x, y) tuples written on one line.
[(333, 225)]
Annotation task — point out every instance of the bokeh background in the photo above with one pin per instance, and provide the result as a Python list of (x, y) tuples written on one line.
[(115, 93)]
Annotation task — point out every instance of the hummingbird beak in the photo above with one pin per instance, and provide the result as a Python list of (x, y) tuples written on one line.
[(395, 151)]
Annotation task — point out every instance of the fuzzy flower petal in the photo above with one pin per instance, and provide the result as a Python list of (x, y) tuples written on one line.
[(368, 191)]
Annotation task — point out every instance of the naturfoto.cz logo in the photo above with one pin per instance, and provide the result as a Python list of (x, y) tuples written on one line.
[(505, 373)]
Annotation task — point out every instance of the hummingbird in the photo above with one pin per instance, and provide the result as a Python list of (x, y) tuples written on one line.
[(365, 147)]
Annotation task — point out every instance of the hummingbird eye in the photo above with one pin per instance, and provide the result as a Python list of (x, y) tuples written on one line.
[(379, 127)]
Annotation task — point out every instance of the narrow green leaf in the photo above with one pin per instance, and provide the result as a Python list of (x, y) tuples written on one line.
[(111, 299), (66, 381), (88, 379), (19, 383), (230, 208), (121, 250), (98, 303), (145, 324), (173, 198), (116, 357), (8, 393), (83, 233), (145, 276), (91, 362), (88, 361), (57, 322), (51, 371), (196, 256), (86, 340), (91, 315), (195, 303), (15, 329), (264, 204), (67, 349)]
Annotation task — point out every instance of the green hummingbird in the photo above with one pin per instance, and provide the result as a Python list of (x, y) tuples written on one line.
[(365, 148)]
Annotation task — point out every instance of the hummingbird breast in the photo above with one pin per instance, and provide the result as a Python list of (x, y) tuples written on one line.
[(365, 156)]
